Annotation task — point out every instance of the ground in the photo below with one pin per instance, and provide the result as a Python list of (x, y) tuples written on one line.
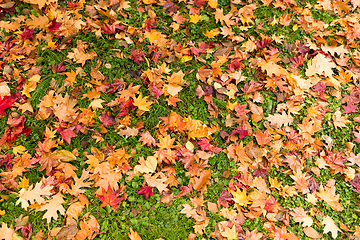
[(205, 119)]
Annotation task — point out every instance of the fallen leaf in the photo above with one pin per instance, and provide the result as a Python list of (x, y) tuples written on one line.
[(330, 227)]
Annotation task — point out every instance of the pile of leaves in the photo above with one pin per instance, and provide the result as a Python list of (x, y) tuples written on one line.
[(237, 117)]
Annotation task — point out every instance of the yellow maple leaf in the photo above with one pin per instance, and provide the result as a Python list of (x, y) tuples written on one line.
[(213, 3), (212, 33), (19, 149), (194, 18), (240, 197), (24, 183), (149, 1), (142, 103), (156, 37), (40, 3), (31, 85), (229, 233)]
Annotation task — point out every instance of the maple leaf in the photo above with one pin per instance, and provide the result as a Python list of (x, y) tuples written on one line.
[(6, 232), (272, 68), (107, 119), (146, 191), (300, 215), (134, 235), (262, 138), (350, 108), (40, 3), (136, 55), (141, 103), (33, 194), (147, 139), (52, 207), (329, 196), (219, 16), (320, 65), (201, 182), (170, 7), (5, 103), (79, 183), (27, 34), (71, 76), (330, 226), (277, 120), (229, 233), (194, 18), (79, 55), (252, 86), (239, 130), (147, 166), (212, 33), (67, 134), (240, 197), (155, 181), (356, 184), (204, 144), (338, 120), (109, 197), (54, 26), (59, 68)]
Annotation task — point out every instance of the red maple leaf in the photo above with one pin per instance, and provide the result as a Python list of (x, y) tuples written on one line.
[(156, 55), (28, 33), (350, 108), (226, 198), (5, 102), (136, 55), (147, 191), (107, 119), (356, 184), (357, 135), (240, 109), (67, 134), (319, 87), (195, 50), (59, 68), (239, 130), (252, 86), (54, 26), (108, 29), (109, 197), (170, 7), (156, 92), (205, 145)]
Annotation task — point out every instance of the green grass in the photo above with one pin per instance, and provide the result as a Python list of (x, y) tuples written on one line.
[(150, 218)]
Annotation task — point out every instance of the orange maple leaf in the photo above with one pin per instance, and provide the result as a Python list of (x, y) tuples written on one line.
[(147, 139)]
